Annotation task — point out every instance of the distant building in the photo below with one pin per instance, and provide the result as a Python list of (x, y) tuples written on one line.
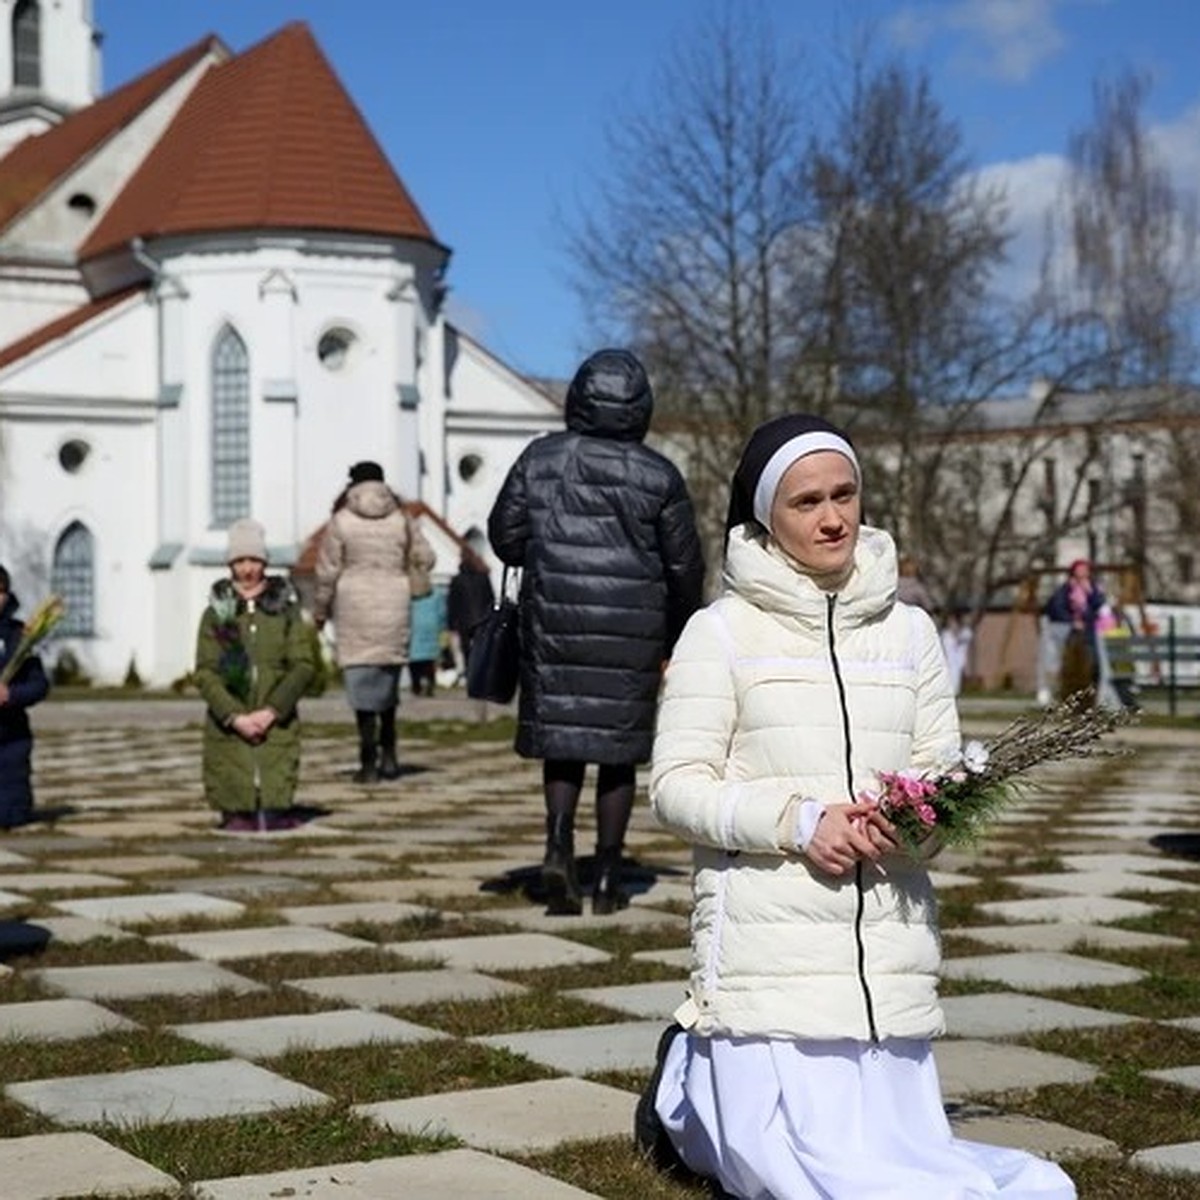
[(215, 295)]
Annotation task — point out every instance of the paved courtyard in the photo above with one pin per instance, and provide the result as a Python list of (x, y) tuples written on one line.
[(238, 971)]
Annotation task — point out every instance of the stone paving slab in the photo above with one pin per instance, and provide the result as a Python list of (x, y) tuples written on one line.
[(367, 912), (403, 989), (22, 937), (970, 1067), (500, 952), (1183, 1158), (60, 881), (320, 868), (1047, 1139), (452, 1175), (57, 1021), (268, 1037), (517, 1119), (58, 1166), (634, 917), (477, 868), (1071, 910), (132, 864), (587, 1049), (193, 1092), (1006, 1014), (681, 957), (10, 859), (152, 906), (646, 1000), (1027, 970), (944, 880), (1188, 1077), (1136, 863), (131, 981), (246, 884), (1061, 936), (1100, 883), (13, 899), (224, 945), (408, 891)]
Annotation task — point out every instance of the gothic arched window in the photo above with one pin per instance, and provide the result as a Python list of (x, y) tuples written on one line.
[(230, 429), (73, 577), (27, 44)]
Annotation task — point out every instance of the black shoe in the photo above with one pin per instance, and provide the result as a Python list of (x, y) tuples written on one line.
[(649, 1134), (389, 768), (559, 875), (367, 773), (607, 896)]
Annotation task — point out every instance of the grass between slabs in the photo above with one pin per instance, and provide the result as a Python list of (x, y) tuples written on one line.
[(1123, 1103), (253, 1145)]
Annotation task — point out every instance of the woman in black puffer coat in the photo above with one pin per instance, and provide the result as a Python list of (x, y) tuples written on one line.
[(28, 686), (604, 530)]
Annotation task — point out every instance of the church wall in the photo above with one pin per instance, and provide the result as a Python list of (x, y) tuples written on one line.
[(109, 494)]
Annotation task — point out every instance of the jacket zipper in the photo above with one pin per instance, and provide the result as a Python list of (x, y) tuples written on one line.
[(254, 750), (860, 898)]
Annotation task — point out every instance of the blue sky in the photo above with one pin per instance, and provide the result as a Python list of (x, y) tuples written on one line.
[(493, 113)]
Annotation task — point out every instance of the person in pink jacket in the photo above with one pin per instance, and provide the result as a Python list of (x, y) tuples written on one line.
[(800, 1066)]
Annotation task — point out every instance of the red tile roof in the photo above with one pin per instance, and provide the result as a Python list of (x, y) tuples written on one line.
[(61, 326), (268, 140), (36, 163)]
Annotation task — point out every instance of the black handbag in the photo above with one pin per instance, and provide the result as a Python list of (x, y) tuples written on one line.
[(494, 660)]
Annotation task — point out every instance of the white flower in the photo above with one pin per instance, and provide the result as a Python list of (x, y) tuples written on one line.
[(975, 757)]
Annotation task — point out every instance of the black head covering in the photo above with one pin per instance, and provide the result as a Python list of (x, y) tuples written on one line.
[(610, 396), (362, 472), (759, 451)]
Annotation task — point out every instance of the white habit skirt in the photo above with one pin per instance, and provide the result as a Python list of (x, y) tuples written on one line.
[(832, 1120)]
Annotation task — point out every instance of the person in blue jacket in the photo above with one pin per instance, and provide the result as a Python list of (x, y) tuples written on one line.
[(27, 687)]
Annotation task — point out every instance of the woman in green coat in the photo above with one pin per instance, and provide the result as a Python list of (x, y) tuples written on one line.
[(253, 663)]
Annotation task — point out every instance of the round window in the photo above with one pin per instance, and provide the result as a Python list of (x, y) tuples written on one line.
[(333, 349), (468, 467), (72, 455)]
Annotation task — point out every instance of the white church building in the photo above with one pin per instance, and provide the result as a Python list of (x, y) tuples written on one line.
[(215, 295)]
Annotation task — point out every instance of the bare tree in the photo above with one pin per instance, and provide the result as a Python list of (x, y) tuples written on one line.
[(682, 250), (1121, 278)]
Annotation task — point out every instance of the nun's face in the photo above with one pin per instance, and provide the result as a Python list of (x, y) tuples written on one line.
[(817, 511)]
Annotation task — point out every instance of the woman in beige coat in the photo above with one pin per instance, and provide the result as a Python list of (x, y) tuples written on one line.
[(363, 566)]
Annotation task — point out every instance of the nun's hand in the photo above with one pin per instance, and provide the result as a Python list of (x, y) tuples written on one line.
[(847, 833)]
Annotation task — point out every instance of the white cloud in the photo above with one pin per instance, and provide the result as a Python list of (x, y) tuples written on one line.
[(1007, 39), (1178, 144), (1030, 186)]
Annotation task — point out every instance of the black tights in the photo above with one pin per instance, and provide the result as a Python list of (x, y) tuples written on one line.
[(386, 739), (562, 781)]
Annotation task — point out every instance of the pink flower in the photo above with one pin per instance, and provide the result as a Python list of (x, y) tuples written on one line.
[(927, 814)]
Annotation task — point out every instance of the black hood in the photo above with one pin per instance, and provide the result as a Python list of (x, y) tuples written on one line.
[(610, 397), (8, 610)]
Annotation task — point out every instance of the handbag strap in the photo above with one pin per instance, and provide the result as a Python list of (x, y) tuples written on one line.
[(506, 574)]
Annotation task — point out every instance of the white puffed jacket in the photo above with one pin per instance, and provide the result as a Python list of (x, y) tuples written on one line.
[(780, 692)]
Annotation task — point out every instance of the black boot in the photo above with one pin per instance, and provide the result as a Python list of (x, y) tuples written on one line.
[(607, 896), (389, 768), (563, 897), (368, 751)]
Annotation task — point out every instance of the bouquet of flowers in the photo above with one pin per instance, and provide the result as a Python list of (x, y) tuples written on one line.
[(233, 661), (958, 800), (39, 627)]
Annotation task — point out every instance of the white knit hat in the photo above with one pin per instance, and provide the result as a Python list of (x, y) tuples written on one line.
[(247, 539)]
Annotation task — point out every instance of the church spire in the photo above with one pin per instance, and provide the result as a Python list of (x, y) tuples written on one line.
[(49, 64)]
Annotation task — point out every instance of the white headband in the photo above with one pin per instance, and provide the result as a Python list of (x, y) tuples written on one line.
[(778, 463)]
